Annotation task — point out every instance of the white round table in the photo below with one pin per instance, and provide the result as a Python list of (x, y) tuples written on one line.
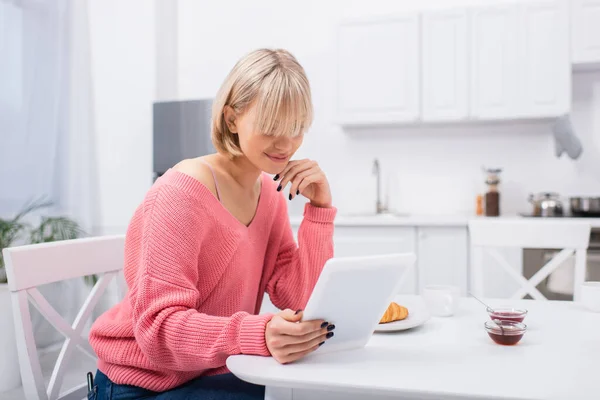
[(450, 358)]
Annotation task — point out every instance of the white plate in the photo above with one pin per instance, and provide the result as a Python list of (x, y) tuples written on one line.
[(417, 316)]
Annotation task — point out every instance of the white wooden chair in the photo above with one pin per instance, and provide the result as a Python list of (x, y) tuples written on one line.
[(487, 235), (28, 267)]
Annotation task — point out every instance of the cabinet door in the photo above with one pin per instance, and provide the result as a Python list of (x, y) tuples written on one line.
[(368, 241), (444, 50), (494, 62), (443, 256), (496, 282), (585, 31), (546, 72), (378, 71)]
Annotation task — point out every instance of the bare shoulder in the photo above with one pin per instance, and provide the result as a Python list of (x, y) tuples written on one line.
[(198, 170)]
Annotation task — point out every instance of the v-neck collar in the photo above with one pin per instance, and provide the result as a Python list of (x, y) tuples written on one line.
[(219, 205), (258, 206)]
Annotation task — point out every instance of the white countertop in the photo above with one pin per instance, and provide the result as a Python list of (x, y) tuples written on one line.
[(394, 220), (453, 358), (421, 220)]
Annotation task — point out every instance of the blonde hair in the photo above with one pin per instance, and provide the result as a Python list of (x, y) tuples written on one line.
[(276, 83)]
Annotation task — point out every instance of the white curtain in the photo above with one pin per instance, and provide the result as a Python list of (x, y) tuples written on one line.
[(35, 48), (46, 121), (78, 177), (46, 124)]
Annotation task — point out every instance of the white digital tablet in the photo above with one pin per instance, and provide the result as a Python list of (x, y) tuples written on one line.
[(353, 293)]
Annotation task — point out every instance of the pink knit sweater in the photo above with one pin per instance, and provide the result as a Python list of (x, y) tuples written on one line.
[(196, 279)]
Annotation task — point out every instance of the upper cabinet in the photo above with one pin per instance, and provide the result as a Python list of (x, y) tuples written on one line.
[(520, 60), (378, 71), (585, 32), (509, 60), (445, 65), (495, 63), (544, 45)]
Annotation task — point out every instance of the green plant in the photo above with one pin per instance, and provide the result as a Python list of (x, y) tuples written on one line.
[(50, 229)]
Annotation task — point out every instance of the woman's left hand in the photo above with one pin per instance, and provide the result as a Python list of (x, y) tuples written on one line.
[(307, 178)]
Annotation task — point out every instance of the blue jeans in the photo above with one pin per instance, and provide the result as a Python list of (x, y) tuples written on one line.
[(221, 387)]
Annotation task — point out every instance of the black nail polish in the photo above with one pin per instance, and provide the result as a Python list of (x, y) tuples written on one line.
[(279, 188), (298, 312), (276, 177), (321, 344), (324, 324), (330, 328), (290, 196), (329, 335), (297, 192)]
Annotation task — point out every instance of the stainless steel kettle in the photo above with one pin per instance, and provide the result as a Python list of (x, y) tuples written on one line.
[(546, 205)]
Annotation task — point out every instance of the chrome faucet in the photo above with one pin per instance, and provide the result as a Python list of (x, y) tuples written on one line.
[(380, 207)]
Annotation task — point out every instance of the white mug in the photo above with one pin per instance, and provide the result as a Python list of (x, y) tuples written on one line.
[(441, 300), (590, 295)]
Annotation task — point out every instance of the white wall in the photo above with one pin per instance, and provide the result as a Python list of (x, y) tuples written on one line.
[(123, 72), (433, 170)]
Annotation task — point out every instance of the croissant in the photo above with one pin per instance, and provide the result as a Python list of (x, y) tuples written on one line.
[(394, 312)]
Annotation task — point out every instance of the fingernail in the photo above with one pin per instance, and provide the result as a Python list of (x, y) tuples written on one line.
[(329, 335), (290, 196), (330, 328), (298, 312), (324, 324), (276, 177), (297, 192), (321, 344), (278, 188)]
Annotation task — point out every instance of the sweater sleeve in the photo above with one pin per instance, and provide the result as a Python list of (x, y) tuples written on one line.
[(166, 322), (298, 267)]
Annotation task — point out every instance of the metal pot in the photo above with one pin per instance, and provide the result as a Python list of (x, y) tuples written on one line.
[(546, 205), (585, 206)]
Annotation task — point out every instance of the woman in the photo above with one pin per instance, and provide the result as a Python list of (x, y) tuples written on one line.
[(210, 238)]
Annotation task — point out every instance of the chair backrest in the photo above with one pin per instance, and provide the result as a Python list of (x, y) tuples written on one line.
[(28, 267), (489, 234)]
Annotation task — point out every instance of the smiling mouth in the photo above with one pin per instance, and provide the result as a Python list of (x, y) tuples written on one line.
[(277, 158)]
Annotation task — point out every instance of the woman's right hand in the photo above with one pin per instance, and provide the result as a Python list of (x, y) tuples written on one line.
[(289, 340)]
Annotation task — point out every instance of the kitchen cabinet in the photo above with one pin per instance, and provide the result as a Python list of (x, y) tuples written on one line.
[(494, 62), (352, 241), (520, 60), (378, 71), (503, 61), (442, 251), (442, 256), (445, 83), (585, 32), (544, 46), (497, 283)]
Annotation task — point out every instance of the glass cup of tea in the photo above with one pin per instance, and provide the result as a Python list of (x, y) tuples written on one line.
[(508, 314), (506, 333)]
